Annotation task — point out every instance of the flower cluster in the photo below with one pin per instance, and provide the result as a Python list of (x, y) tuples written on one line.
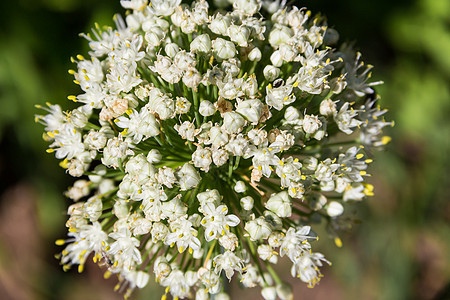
[(206, 144)]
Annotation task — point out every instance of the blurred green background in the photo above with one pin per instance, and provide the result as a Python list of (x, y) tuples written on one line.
[(399, 251)]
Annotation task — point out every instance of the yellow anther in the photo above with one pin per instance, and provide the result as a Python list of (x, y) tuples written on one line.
[(296, 84), (385, 139), (72, 98), (224, 209), (269, 86), (191, 251), (50, 150), (362, 173), (80, 57), (129, 111), (60, 242), (72, 230), (86, 78), (116, 263), (338, 242), (80, 268), (359, 156), (76, 82), (180, 249), (71, 72), (281, 163), (368, 161)]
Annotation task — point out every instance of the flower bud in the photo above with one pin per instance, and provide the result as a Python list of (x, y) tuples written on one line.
[(171, 49), (142, 279), (334, 209), (239, 34), (223, 49), (271, 73), (280, 204), (154, 156), (280, 34), (247, 203), (202, 43), (292, 114), (258, 229), (284, 291), (206, 108), (255, 55), (276, 59), (188, 177), (251, 110), (269, 293), (232, 122), (220, 24), (240, 187)]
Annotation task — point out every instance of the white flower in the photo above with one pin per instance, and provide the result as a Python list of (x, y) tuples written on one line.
[(345, 119), (220, 157), (202, 158), (183, 235), (307, 267), (311, 124), (228, 262), (125, 248), (328, 107), (186, 130), (216, 221)]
